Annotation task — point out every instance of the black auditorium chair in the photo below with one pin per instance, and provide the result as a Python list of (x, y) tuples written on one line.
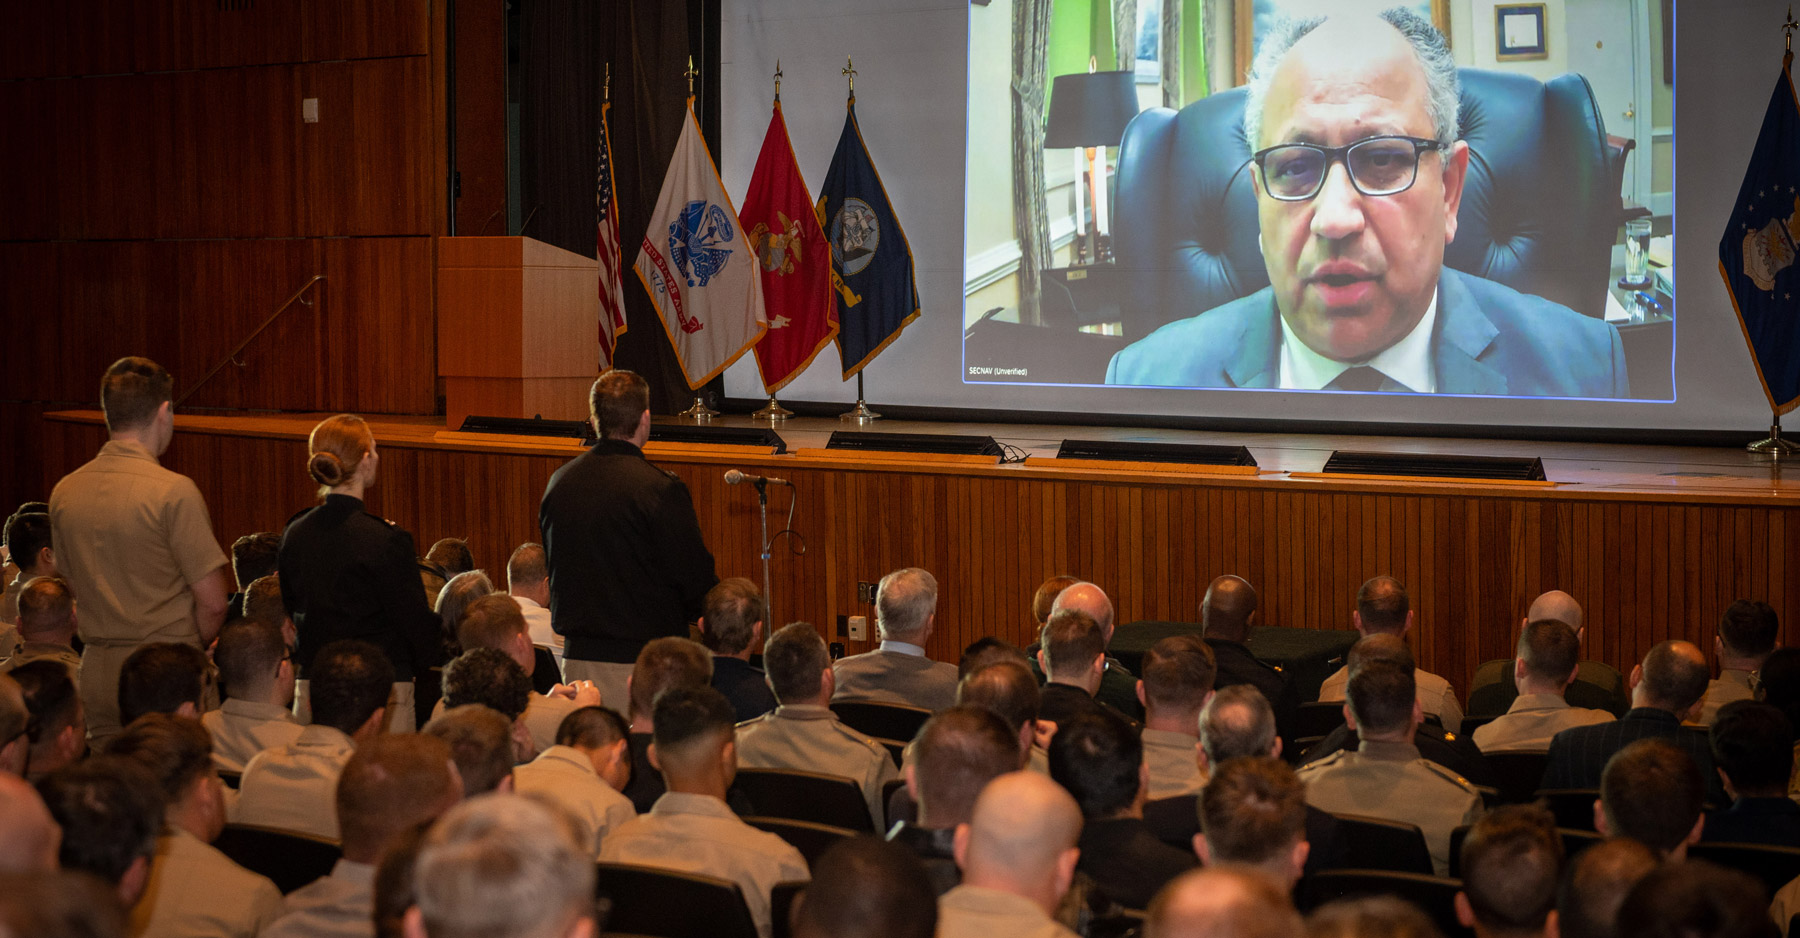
[(804, 796), (781, 907), (1774, 866), (1573, 807), (884, 721), (1370, 843), (667, 904), (811, 839), (1472, 723), (1311, 721), (1436, 895), (1517, 774), (1540, 205), (287, 858), (231, 779)]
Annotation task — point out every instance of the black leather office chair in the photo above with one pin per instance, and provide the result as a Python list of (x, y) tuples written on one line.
[(1540, 206)]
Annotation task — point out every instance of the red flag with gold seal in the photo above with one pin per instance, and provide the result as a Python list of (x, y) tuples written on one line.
[(789, 243)]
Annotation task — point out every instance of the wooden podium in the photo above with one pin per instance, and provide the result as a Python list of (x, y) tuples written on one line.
[(517, 328)]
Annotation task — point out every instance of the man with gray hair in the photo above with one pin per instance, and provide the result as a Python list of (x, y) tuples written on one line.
[(1359, 297), (502, 867), (898, 671)]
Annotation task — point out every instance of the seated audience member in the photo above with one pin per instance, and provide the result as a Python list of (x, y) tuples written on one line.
[(110, 810), (29, 837), (391, 785), (253, 557), (1227, 614), (1752, 744), (1546, 665), (1598, 879), (663, 664), (731, 627), (46, 624), (263, 603), (495, 622), (1043, 602), (957, 752), (865, 888), (58, 729), (56, 904), (1383, 608), (1118, 686), (1253, 812), (1072, 652), (1371, 917), (294, 787), (1385, 776), (15, 723), (193, 889), (1223, 902), (691, 829), (1177, 683), (1598, 686), (1651, 792), (481, 744), (1666, 690), (1511, 865), (502, 867), (393, 885), (990, 650), (898, 671), (461, 591), (1436, 744), (258, 711), (1099, 759), (451, 555), (1749, 633), (585, 771), (1009, 691), (491, 678), (164, 677), (28, 542), (1696, 899), (528, 582), (803, 733), (1018, 856)]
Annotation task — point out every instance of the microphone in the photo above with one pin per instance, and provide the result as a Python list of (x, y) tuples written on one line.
[(734, 477)]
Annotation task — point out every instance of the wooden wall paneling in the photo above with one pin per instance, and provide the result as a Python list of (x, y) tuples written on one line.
[(27, 205), (481, 116), (227, 290), (358, 29), (379, 343), (120, 299), (21, 454), (30, 357)]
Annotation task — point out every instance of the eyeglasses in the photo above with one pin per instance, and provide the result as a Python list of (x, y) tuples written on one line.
[(1382, 165)]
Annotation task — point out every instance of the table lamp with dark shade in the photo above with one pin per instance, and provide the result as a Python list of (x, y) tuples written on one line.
[(1089, 110)]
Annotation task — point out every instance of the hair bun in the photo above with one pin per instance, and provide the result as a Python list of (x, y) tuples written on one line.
[(326, 469)]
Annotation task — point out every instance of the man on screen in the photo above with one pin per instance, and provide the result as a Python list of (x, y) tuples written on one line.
[(1358, 175)]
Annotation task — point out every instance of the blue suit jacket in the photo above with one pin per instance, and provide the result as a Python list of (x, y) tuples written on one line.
[(1490, 339)]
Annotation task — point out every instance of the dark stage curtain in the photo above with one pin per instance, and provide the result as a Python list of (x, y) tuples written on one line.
[(564, 48)]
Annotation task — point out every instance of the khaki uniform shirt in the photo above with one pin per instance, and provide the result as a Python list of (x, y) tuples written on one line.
[(979, 912), (295, 787), (700, 834), (1732, 685), (1389, 780), (566, 775), (543, 715), (1174, 768), (39, 651), (242, 728), (194, 891), (131, 538), (9, 600), (1435, 695), (341, 905), (1531, 721), (810, 738)]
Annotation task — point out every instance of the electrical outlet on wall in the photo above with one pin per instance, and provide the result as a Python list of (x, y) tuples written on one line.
[(859, 628), (865, 593)]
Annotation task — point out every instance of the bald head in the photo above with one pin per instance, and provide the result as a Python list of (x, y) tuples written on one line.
[(1673, 677), (29, 837), (1223, 901), (1558, 605), (1021, 838), (1088, 598), (1228, 608)]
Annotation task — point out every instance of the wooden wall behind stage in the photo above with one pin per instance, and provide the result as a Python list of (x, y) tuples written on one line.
[(1645, 570)]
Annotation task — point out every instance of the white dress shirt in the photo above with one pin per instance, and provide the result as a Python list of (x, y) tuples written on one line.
[(295, 787), (1406, 362)]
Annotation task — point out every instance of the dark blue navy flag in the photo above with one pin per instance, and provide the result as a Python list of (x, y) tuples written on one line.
[(871, 263), (1757, 252)]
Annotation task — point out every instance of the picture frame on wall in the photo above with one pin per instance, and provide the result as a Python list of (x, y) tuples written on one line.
[(1519, 32), (1253, 18)]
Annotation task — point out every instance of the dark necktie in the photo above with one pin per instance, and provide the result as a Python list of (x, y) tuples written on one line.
[(1359, 378)]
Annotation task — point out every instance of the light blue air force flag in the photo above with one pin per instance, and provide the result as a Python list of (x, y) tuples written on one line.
[(1757, 252)]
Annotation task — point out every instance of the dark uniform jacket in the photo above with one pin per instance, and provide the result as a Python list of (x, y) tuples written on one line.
[(348, 574), (627, 560), (1578, 756)]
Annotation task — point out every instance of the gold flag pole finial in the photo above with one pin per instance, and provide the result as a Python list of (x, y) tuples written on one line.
[(849, 71), (606, 89), (1787, 33), (690, 73), (778, 81)]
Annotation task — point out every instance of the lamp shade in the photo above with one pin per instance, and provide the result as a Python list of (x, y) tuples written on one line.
[(1090, 109)]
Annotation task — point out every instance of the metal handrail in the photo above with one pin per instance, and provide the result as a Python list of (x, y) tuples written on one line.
[(231, 356)]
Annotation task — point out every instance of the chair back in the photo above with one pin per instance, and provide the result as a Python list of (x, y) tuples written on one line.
[(804, 796), (1372, 843), (288, 858), (1473, 722), (1436, 895), (812, 840), (781, 907), (1315, 718), (668, 904), (881, 720), (1573, 807), (1517, 774), (1774, 866)]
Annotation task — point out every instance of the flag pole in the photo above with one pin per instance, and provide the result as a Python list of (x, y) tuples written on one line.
[(860, 415), (1774, 444), (773, 412), (698, 412)]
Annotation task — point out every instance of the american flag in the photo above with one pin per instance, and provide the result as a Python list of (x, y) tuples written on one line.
[(612, 288)]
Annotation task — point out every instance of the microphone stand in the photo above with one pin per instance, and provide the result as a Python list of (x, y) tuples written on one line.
[(762, 499)]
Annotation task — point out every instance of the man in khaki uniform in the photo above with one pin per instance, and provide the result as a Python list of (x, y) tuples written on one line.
[(803, 733), (193, 889), (1385, 777), (690, 829), (1549, 658), (258, 672), (134, 541), (1382, 608), (1177, 683), (1018, 857), (494, 621), (1749, 633), (27, 540), (46, 625), (585, 771)]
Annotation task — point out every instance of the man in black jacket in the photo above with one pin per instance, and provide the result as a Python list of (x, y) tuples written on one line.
[(627, 560)]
